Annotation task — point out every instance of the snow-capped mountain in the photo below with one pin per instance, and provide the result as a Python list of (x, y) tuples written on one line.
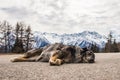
[(83, 39), (39, 40)]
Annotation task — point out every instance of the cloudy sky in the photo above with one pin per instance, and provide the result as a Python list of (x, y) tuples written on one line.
[(63, 16)]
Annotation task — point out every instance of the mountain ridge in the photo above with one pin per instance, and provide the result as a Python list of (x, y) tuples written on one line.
[(83, 39)]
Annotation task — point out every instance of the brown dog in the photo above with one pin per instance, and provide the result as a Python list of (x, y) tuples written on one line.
[(57, 54)]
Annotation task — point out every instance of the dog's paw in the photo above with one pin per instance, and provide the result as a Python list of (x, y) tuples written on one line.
[(57, 62), (14, 60)]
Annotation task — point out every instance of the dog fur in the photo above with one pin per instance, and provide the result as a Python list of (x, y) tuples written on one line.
[(57, 54)]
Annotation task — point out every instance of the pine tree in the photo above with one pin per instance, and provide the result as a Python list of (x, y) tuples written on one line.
[(118, 44), (28, 32), (6, 30), (115, 46), (17, 30), (18, 46), (108, 45), (94, 47), (111, 46)]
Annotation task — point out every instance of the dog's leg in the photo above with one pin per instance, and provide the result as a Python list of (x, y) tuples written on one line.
[(22, 59), (26, 57), (33, 52), (39, 58)]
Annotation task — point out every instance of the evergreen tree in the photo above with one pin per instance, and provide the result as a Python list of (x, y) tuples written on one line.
[(22, 41), (115, 46), (108, 45), (111, 46), (28, 33), (6, 30), (94, 47), (17, 30), (118, 44), (18, 46)]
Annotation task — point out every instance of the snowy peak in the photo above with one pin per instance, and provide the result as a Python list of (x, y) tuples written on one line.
[(39, 40), (83, 39)]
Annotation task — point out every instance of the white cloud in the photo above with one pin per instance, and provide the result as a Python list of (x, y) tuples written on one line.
[(63, 16)]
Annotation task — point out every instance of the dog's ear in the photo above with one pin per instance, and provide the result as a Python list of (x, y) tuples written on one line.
[(85, 49)]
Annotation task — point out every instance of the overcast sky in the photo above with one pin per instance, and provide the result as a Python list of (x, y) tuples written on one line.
[(63, 16)]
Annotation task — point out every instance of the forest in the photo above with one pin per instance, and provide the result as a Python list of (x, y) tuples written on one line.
[(16, 39)]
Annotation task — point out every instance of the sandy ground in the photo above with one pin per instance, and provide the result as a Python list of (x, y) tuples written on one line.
[(107, 67)]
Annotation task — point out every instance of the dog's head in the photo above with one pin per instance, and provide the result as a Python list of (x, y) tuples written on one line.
[(88, 56)]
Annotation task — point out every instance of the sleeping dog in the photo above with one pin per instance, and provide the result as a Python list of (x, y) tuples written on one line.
[(57, 54)]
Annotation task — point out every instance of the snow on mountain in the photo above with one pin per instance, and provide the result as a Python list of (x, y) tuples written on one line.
[(83, 39), (39, 40)]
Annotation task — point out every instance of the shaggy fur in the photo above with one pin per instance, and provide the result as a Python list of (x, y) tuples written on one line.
[(57, 54)]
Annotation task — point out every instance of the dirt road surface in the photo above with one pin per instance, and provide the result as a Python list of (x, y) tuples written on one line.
[(106, 67)]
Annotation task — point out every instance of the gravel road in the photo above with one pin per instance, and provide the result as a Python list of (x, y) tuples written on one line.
[(107, 67)]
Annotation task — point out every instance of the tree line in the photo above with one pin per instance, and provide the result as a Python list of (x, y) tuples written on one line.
[(110, 46), (15, 39)]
